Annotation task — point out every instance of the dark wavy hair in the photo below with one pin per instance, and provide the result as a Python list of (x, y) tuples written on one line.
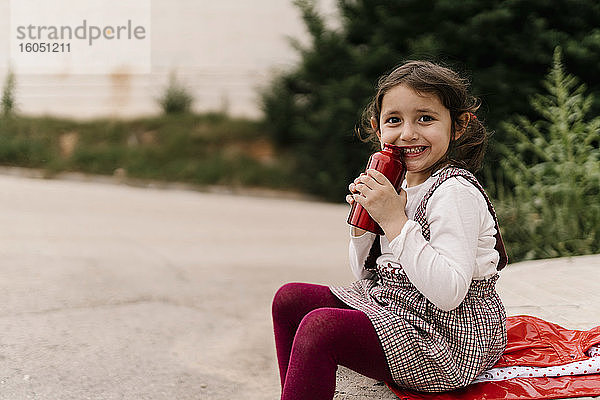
[(453, 91)]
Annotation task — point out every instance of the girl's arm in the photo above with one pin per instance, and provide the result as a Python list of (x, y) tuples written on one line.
[(358, 251), (360, 243), (442, 269)]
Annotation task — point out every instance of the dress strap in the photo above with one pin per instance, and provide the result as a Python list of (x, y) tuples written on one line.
[(420, 217), (443, 175)]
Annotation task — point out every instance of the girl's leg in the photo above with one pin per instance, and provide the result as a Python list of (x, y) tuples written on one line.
[(290, 305), (326, 338)]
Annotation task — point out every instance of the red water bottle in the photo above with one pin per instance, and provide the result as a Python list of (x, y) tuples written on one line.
[(389, 162)]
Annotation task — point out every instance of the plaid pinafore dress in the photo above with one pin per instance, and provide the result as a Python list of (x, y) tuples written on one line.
[(429, 349)]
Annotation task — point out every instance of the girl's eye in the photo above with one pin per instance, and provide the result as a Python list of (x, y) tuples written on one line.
[(426, 118), (393, 120)]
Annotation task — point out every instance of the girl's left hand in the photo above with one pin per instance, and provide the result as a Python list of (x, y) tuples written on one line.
[(379, 197)]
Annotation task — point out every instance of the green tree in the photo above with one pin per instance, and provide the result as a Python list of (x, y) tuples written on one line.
[(504, 45), (554, 164)]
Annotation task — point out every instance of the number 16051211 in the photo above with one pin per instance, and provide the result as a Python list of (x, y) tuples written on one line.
[(45, 47)]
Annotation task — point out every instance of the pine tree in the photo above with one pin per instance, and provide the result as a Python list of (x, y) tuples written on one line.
[(312, 111), (554, 164)]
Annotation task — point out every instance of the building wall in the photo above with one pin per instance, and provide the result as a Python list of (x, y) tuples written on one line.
[(222, 51)]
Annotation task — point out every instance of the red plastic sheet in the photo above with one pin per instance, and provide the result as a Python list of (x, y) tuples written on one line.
[(531, 342)]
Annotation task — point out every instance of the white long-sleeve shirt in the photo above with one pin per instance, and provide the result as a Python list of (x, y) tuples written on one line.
[(461, 246)]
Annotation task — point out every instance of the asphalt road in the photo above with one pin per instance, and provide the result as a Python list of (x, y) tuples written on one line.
[(114, 292)]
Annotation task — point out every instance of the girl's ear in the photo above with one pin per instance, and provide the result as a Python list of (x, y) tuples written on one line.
[(375, 126), (461, 124)]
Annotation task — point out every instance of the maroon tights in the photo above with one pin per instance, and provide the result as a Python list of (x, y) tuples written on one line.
[(314, 333)]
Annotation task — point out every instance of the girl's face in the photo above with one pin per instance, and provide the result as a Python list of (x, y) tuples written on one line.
[(420, 124)]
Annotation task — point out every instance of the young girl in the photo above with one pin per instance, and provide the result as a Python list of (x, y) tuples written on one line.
[(424, 313)]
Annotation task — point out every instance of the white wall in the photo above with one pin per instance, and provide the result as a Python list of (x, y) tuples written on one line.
[(222, 50)]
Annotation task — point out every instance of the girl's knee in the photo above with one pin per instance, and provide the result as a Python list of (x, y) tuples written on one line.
[(318, 330), (287, 296)]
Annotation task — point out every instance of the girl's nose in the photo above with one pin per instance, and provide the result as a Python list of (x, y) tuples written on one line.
[(408, 132)]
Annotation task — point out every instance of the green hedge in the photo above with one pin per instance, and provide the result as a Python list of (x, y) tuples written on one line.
[(208, 149)]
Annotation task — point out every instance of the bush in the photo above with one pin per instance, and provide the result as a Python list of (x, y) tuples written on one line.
[(554, 164), (8, 95), (176, 99)]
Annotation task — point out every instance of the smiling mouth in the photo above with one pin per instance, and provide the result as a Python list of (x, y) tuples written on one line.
[(413, 151)]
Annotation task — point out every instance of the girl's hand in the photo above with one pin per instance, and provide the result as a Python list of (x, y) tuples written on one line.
[(378, 196), (352, 189), (350, 200)]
